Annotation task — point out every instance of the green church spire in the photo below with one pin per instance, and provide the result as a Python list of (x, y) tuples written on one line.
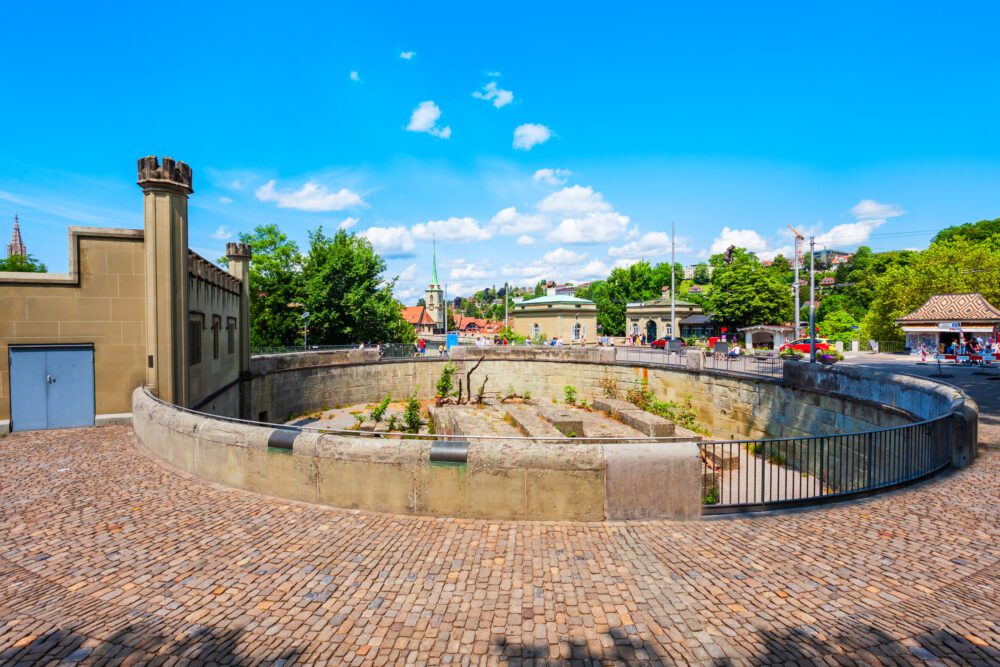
[(434, 275)]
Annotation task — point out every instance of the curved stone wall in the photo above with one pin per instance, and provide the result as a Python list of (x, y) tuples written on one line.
[(510, 479), (501, 480), (812, 400)]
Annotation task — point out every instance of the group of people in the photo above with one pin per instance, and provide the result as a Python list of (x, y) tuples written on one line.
[(962, 347)]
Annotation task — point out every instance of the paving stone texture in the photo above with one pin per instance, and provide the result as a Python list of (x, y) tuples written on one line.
[(108, 557)]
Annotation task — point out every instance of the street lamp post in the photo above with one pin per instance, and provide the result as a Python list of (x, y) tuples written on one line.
[(305, 329), (812, 299)]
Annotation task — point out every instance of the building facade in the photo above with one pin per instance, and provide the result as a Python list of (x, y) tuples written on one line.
[(947, 318), (557, 316), (652, 318), (136, 307)]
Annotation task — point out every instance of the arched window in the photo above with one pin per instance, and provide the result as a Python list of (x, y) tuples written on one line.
[(577, 331), (536, 330)]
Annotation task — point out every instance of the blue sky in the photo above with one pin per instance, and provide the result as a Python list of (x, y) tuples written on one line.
[(532, 140)]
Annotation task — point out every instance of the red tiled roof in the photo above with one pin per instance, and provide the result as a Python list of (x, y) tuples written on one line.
[(971, 307), (417, 315)]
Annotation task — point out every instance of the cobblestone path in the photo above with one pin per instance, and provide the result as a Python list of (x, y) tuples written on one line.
[(108, 557)]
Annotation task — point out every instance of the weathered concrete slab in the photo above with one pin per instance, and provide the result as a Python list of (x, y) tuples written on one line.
[(653, 480), (642, 421), (530, 421), (563, 419)]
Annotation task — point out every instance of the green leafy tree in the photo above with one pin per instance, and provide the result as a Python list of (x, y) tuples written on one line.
[(838, 325), (701, 274), (22, 264), (972, 231), (744, 293), (346, 294), (953, 266), (275, 287)]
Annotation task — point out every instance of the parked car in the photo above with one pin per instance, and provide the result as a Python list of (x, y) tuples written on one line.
[(661, 343), (802, 345)]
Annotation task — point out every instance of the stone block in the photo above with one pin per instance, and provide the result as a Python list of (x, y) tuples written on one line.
[(642, 421), (653, 481)]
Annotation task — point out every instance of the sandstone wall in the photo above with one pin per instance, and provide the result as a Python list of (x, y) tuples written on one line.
[(500, 480)]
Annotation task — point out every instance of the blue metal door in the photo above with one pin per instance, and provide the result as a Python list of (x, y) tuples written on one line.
[(51, 387)]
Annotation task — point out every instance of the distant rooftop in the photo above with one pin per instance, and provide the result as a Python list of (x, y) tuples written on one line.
[(553, 299)]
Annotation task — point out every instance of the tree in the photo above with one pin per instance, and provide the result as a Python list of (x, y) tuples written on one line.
[(972, 231), (953, 266), (346, 294), (744, 293), (421, 301), (838, 325), (22, 264), (702, 276), (275, 282)]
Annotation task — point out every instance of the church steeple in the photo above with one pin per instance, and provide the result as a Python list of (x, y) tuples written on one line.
[(16, 245), (434, 264)]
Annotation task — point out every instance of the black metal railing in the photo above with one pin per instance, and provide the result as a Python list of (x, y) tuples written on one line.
[(648, 355), (756, 475), (764, 363)]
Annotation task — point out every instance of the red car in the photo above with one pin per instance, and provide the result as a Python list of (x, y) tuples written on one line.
[(802, 345), (661, 343)]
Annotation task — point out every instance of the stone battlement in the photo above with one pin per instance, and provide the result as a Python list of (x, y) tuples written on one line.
[(172, 173), (238, 251)]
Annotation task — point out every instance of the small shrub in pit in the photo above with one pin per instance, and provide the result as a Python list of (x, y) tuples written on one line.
[(411, 415), (569, 393)]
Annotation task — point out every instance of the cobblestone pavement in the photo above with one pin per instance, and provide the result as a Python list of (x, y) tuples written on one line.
[(106, 556)]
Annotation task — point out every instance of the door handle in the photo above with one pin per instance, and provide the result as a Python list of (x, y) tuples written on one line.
[(50, 379)]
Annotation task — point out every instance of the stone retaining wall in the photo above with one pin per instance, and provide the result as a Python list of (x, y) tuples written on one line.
[(583, 481), (500, 480)]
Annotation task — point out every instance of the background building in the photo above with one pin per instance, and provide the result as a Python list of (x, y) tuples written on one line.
[(944, 318), (653, 317), (557, 316)]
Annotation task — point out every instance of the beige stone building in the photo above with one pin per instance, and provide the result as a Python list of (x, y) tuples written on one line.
[(557, 316), (652, 318), (136, 306)]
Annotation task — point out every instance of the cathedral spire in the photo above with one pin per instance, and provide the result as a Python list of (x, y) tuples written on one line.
[(16, 245)]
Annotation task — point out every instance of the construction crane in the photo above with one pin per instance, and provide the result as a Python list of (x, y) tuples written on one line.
[(798, 254)]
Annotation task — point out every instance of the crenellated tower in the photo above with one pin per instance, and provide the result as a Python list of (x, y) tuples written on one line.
[(165, 189)]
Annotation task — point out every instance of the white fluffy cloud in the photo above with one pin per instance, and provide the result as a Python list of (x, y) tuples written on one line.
[(510, 221), (225, 200), (407, 55), (347, 223), (574, 200), (869, 209), (651, 244), (529, 135), (741, 238), (565, 272), (469, 271), (492, 92), (459, 230), (591, 228), (424, 119), (390, 241), (553, 177), (310, 197), (355, 76), (585, 217), (524, 239), (563, 256), (409, 273), (222, 233)]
